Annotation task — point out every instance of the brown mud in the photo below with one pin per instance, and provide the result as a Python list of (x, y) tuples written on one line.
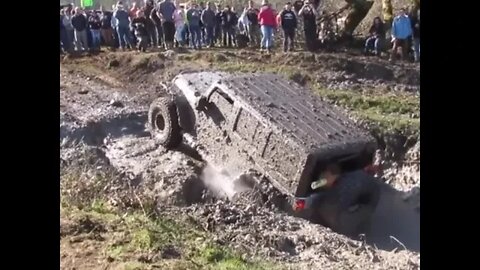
[(103, 108)]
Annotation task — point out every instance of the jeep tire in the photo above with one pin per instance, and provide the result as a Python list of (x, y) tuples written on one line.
[(163, 123)]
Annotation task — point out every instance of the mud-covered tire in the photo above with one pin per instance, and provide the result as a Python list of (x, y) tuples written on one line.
[(349, 206), (163, 123)]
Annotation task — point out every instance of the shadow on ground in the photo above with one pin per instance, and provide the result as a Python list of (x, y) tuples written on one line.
[(395, 223)]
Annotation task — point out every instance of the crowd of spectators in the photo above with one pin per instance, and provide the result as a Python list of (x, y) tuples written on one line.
[(167, 24)]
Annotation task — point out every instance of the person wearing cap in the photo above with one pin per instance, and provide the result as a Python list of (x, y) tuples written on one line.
[(123, 26), (268, 23), (309, 14), (401, 32), (288, 22)]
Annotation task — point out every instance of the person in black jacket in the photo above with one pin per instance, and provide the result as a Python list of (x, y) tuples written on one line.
[(157, 21), (253, 27), (288, 21), (106, 28), (229, 20), (376, 37), (218, 26), (139, 25), (79, 22), (151, 28), (309, 14)]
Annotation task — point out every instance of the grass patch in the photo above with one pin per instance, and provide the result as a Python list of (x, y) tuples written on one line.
[(387, 110), (249, 67), (128, 234)]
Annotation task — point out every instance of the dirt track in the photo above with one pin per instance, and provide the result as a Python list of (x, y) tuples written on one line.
[(109, 115)]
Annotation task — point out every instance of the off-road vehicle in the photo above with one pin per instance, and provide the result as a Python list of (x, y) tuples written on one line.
[(278, 128)]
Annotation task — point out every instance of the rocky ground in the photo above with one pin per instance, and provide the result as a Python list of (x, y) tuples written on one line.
[(127, 204)]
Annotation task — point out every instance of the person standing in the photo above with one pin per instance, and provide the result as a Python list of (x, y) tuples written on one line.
[(123, 26), (309, 15), (79, 22), (150, 25), (67, 22), (209, 22), (218, 25), (253, 28), (416, 36), (267, 19), (288, 22), (139, 25), (179, 20), (106, 28), (167, 8), (64, 40), (401, 33), (193, 21), (95, 25)]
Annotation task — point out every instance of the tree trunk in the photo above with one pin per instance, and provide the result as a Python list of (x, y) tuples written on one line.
[(414, 7), (358, 11), (387, 12)]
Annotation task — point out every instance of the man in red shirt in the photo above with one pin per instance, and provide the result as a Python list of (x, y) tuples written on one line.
[(133, 11), (268, 23)]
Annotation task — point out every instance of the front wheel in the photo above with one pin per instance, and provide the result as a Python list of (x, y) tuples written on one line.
[(163, 123)]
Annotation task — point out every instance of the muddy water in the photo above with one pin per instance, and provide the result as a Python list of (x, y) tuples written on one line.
[(396, 222)]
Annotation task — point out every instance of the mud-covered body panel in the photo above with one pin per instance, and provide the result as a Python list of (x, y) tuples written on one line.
[(265, 122)]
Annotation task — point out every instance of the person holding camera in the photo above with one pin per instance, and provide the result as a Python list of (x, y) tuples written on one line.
[(309, 14)]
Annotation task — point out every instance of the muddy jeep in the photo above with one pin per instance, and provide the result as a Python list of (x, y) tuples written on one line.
[(278, 128)]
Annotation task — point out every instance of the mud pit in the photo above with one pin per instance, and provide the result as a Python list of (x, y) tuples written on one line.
[(244, 218)]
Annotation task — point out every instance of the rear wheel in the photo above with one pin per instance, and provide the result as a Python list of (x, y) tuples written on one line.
[(163, 123)]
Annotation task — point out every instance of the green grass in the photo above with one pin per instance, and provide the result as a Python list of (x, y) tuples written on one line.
[(128, 233), (387, 110), (241, 66)]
